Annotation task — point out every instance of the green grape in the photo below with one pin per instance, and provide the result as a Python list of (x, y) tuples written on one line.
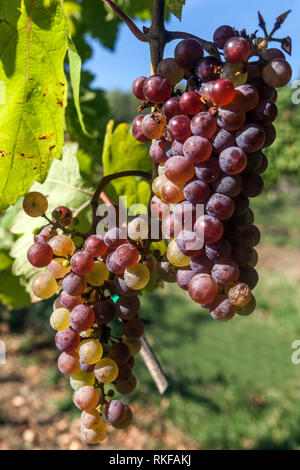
[(60, 319), (235, 73), (81, 378), (35, 204), (175, 256), (44, 285), (93, 436), (169, 69), (62, 245), (58, 269), (90, 351), (98, 275), (133, 344), (157, 185), (137, 277), (106, 370)]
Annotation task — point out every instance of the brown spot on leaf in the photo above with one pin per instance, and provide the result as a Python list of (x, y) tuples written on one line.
[(61, 84), (59, 101), (52, 147), (3, 153), (46, 92), (46, 136)]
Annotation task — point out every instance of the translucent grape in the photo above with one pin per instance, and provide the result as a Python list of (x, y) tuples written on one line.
[(137, 277), (172, 194), (121, 287), (86, 398), (179, 170), (90, 351), (82, 318), (157, 185), (170, 69), (190, 103), (98, 275), (60, 319), (62, 245), (35, 204), (58, 268), (106, 370), (95, 246), (236, 50), (44, 285), (222, 92), (236, 73), (93, 436), (40, 254), (175, 256), (203, 289), (81, 378), (138, 228), (133, 344)]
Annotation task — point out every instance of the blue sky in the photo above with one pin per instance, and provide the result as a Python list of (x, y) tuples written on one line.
[(118, 69)]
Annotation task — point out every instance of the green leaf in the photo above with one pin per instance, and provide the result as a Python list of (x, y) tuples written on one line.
[(5, 261), (12, 293), (60, 188), (175, 6), (33, 47), (75, 74), (121, 153)]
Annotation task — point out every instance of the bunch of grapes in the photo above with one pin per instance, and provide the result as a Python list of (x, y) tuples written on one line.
[(98, 279), (207, 146)]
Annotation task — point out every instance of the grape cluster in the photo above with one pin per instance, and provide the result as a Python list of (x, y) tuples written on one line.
[(98, 280), (207, 146)]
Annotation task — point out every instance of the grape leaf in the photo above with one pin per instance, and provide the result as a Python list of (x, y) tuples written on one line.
[(65, 171), (122, 152), (176, 6), (32, 50)]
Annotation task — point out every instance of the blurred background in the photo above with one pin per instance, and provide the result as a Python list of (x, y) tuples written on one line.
[(232, 386)]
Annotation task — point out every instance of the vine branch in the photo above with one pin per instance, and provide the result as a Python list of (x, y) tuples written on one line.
[(131, 25)]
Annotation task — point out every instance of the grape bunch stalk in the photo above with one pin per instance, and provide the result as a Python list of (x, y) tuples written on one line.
[(208, 140), (207, 143)]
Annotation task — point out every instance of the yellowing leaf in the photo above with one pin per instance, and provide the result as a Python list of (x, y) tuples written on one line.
[(33, 45)]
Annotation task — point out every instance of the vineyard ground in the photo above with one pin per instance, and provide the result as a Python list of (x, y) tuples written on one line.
[(231, 385)]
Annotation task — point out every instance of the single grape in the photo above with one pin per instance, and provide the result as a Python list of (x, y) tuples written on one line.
[(239, 295), (119, 352), (137, 88), (59, 267), (90, 419), (204, 125), (222, 92), (180, 127), (60, 319), (250, 138), (190, 102), (44, 285), (166, 271), (82, 318), (93, 436), (222, 34), (95, 246), (220, 206), (40, 254), (137, 129), (230, 185), (203, 289), (127, 255), (209, 228), (226, 272), (253, 184), (179, 170), (189, 244), (175, 256), (254, 258), (127, 386), (172, 108), (86, 367), (153, 125), (45, 234), (185, 214), (82, 263), (231, 117), (127, 421), (35, 204), (170, 69), (73, 284), (265, 113), (236, 50), (208, 69), (221, 309), (201, 265), (121, 287), (250, 234), (241, 253), (137, 277), (113, 238), (98, 275), (68, 363), (157, 185), (70, 301), (81, 378), (208, 171), (272, 53), (264, 165), (157, 89), (183, 277), (188, 52), (197, 192), (104, 312), (172, 194), (265, 91), (277, 73), (115, 412), (62, 245), (134, 328), (106, 370), (222, 139), (233, 160), (197, 149), (270, 132), (90, 351), (63, 215), (86, 398), (247, 309), (218, 251), (171, 227), (246, 97), (67, 340), (158, 150), (133, 344)]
